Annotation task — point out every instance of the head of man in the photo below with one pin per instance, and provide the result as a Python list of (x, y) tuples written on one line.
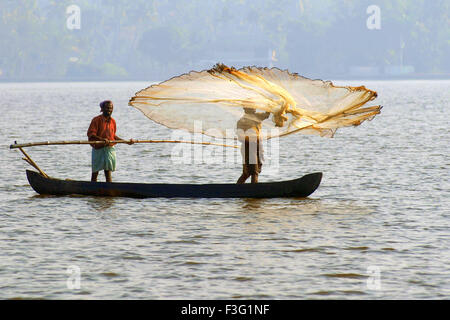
[(107, 108), (249, 110)]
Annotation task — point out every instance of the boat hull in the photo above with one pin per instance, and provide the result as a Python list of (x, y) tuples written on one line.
[(301, 187)]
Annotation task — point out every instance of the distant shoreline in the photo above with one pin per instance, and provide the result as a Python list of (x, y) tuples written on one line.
[(416, 76)]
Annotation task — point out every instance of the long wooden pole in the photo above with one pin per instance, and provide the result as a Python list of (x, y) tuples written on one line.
[(32, 163), (48, 143)]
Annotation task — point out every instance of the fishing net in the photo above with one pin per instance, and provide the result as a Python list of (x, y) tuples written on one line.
[(275, 102)]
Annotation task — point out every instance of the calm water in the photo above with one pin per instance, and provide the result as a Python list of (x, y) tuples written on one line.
[(377, 227)]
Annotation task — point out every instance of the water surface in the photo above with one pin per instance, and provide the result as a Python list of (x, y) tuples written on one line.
[(377, 227)]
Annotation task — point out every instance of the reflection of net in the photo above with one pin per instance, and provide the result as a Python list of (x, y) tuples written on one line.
[(216, 98)]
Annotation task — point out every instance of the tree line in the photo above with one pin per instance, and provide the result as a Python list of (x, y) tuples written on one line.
[(157, 39)]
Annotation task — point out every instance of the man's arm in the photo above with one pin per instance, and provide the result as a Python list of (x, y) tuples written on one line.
[(94, 137), (92, 133), (131, 141)]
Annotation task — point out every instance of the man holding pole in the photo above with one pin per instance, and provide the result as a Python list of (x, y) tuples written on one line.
[(103, 128)]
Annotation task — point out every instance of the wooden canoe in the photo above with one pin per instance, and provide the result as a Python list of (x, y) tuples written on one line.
[(301, 187)]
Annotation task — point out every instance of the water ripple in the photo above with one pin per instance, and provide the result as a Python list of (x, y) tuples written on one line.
[(381, 212)]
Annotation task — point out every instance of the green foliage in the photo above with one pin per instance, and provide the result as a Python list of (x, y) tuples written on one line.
[(156, 39)]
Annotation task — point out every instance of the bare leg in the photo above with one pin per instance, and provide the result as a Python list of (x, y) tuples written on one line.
[(242, 178), (108, 176), (94, 176), (255, 178)]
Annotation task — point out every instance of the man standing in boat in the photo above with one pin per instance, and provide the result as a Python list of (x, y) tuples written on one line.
[(249, 129), (103, 128)]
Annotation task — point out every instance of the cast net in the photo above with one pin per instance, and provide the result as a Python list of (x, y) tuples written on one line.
[(213, 102)]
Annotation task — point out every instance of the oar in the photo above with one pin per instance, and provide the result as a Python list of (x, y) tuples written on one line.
[(48, 143), (32, 163)]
